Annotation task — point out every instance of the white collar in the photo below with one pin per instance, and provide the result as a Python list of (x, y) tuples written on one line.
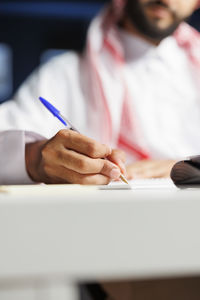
[(136, 48)]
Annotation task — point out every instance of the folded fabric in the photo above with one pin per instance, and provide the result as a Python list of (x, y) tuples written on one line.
[(186, 172)]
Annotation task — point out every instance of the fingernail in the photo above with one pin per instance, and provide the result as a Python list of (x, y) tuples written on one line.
[(110, 150), (122, 167), (114, 173)]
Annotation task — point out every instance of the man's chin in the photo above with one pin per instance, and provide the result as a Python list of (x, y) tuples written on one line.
[(160, 28), (157, 30), (159, 35)]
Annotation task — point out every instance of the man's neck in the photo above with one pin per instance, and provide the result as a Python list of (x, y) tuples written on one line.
[(128, 26)]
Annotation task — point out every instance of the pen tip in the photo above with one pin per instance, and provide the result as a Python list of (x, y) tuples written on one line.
[(123, 179)]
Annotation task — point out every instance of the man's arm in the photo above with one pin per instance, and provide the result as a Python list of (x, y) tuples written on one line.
[(12, 162), (25, 113)]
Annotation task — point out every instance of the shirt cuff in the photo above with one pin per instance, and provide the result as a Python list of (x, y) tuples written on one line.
[(12, 156)]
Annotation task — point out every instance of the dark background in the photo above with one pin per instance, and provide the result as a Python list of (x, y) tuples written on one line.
[(29, 28)]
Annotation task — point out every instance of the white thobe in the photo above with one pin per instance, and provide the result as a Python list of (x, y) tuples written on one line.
[(164, 94)]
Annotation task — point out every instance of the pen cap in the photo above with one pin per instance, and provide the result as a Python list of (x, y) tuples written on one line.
[(49, 106)]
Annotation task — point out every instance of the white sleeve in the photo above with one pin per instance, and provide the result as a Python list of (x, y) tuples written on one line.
[(25, 112), (12, 156)]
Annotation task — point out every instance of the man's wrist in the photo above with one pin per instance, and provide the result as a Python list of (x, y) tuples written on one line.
[(33, 158)]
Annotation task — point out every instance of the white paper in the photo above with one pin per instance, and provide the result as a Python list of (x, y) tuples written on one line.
[(154, 183)]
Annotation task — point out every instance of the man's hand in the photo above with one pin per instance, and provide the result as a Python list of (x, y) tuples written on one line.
[(70, 157), (150, 169)]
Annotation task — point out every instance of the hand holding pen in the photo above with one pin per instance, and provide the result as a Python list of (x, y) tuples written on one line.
[(69, 126), (70, 157)]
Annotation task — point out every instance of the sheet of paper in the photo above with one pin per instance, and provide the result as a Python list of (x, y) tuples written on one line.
[(160, 183)]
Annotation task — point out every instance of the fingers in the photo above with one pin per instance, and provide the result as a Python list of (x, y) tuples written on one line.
[(72, 157), (82, 144), (85, 165), (64, 175), (139, 169), (82, 167), (150, 169), (118, 157)]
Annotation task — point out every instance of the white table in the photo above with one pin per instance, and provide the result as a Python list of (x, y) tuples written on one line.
[(49, 243)]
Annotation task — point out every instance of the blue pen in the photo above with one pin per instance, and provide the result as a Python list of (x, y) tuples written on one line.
[(69, 126), (57, 114)]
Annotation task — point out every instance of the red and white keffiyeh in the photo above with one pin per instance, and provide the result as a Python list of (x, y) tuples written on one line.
[(105, 52)]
